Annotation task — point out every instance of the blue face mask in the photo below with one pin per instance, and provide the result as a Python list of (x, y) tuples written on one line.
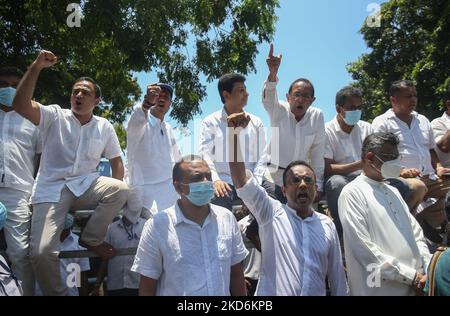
[(352, 117), (7, 96), (200, 193)]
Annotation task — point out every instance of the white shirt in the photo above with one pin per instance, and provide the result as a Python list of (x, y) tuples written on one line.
[(188, 259), (415, 141), (440, 126), (152, 149), (292, 140), (297, 254), (70, 244), (214, 147), (71, 152), (119, 274), (19, 144), (344, 148), (380, 233)]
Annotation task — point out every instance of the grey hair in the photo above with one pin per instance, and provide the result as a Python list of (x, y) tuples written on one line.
[(375, 141)]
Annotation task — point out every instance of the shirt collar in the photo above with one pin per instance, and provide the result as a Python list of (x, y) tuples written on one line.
[(446, 116), (371, 181), (311, 218), (390, 114), (178, 216)]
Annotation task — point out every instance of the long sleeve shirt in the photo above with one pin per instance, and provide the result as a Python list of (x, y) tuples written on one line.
[(384, 244), (297, 254), (292, 140), (152, 149), (441, 126)]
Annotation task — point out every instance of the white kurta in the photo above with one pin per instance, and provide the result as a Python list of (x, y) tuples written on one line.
[(297, 254), (380, 235)]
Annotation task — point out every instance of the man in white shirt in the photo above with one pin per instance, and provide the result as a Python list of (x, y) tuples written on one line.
[(213, 147), (345, 135), (416, 148), (297, 128), (124, 233), (19, 149), (385, 250), (441, 130), (73, 143), (299, 247), (152, 151), (194, 248)]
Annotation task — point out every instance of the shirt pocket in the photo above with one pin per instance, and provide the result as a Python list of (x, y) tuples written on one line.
[(95, 148), (224, 244)]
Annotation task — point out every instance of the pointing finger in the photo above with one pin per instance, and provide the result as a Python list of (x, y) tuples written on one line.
[(271, 51)]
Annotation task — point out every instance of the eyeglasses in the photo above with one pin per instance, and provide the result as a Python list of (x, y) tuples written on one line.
[(298, 180)]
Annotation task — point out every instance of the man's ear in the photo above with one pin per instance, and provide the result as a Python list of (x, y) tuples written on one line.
[(288, 97), (393, 99), (226, 95), (313, 99), (338, 109), (178, 187), (283, 189), (97, 101)]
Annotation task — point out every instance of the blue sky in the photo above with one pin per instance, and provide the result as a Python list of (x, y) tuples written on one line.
[(317, 39)]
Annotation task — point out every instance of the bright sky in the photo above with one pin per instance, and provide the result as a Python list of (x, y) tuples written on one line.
[(317, 39)]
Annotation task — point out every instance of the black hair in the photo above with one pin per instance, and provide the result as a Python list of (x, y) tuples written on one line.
[(400, 85), (98, 90), (301, 80), (226, 83), (347, 92), (296, 163), (11, 71), (447, 94)]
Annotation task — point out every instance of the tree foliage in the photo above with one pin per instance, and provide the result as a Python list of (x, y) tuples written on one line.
[(411, 43), (178, 39)]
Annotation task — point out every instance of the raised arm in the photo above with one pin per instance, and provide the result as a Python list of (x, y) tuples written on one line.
[(237, 167), (269, 93), (22, 103), (273, 62)]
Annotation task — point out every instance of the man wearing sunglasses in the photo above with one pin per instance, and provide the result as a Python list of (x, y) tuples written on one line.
[(300, 247)]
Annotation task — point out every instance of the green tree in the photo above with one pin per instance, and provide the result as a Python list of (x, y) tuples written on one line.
[(411, 43), (178, 39)]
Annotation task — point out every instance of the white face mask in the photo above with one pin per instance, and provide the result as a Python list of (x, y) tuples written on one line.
[(390, 169)]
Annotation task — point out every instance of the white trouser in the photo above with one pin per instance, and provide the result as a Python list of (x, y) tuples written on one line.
[(17, 235)]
